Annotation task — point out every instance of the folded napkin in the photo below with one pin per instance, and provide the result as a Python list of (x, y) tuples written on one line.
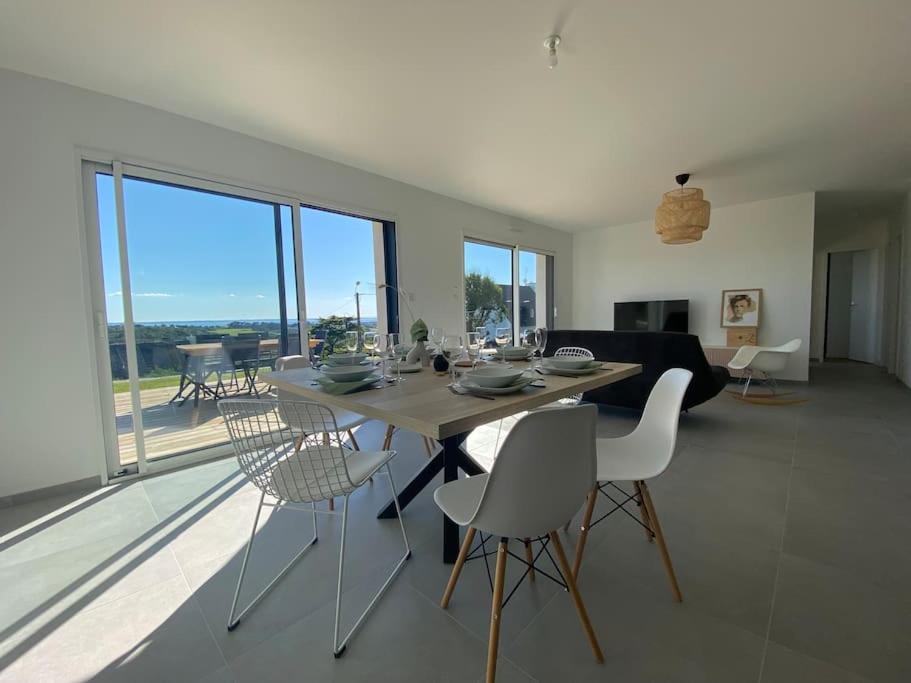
[(336, 388)]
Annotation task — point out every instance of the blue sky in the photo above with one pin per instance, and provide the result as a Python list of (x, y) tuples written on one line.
[(496, 262), (199, 256)]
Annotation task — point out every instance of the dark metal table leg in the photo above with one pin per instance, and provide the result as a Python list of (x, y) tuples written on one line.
[(452, 456)]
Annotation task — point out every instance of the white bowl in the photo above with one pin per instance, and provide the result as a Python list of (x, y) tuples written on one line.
[(513, 352), (347, 358), (565, 363), (346, 373), (494, 376)]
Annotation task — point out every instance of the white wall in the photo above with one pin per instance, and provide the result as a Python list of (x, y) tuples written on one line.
[(903, 357), (766, 244), (49, 416), (849, 233)]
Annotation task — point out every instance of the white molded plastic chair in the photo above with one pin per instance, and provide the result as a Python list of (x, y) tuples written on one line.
[(545, 467), (641, 455), (766, 360), (281, 465)]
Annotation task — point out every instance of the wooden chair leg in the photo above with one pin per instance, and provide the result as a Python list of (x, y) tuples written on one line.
[(530, 558), (659, 537), (643, 513), (583, 531), (457, 567), (577, 599), (496, 608)]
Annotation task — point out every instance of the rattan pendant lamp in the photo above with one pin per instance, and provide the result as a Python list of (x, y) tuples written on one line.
[(683, 214)]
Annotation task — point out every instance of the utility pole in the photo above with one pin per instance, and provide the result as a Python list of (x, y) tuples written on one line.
[(357, 304)]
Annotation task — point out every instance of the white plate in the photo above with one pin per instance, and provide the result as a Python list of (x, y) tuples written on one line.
[(333, 364), (347, 358), (473, 388), (568, 363), (346, 373), (566, 372), (354, 386), (493, 376), (403, 367), (513, 353)]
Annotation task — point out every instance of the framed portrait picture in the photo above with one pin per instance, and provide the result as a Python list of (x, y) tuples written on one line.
[(740, 307)]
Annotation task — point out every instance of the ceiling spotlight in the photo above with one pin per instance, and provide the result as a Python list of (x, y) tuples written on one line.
[(552, 43)]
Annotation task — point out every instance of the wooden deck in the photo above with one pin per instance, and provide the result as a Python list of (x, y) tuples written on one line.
[(169, 427)]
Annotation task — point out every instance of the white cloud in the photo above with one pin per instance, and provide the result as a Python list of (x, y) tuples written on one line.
[(116, 294), (152, 295), (232, 294), (260, 296)]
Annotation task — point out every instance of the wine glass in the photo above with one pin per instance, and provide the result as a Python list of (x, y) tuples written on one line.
[(436, 337), (529, 342), (541, 340), (351, 339), (392, 341), (370, 343), (474, 347), (502, 339), (452, 347)]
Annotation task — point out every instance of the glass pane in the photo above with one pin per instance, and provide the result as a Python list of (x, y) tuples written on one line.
[(110, 269), (488, 288), (205, 296), (339, 277), (535, 290)]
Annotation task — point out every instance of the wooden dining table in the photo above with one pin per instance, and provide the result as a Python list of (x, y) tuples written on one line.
[(213, 348), (423, 403)]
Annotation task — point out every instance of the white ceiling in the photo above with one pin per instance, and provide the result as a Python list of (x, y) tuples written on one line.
[(755, 99)]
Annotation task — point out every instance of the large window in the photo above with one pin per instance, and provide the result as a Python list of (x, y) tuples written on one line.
[(199, 287), (507, 286)]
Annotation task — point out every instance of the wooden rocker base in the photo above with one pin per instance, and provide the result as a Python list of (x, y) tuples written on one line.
[(769, 399)]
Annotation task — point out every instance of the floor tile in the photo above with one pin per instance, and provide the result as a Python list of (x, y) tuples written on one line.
[(155, 635), (783, 665), (832, 616)]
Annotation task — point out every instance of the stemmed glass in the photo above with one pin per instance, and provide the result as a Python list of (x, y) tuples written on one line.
[(370, 343), (529, 341), (541, 340), (452, 347), (502, 339), (392, 341), (474, 347), (351, 339), (436, 338)]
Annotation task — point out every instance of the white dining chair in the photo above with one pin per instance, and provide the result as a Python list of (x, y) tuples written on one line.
[(286, 469), (527, 495), (763, 362), (346, 420), (641, 455)]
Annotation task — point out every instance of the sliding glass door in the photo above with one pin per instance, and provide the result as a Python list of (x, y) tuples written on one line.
[(507, 287), (199, 297), (198, 287)]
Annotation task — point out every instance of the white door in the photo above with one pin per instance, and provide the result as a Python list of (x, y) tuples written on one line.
[(838, 305), (863, 330)]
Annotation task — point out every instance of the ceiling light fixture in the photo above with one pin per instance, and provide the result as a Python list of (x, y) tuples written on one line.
[(683, 214), (552, 43)]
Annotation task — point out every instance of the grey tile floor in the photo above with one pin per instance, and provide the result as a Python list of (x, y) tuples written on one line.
[(788, 527)]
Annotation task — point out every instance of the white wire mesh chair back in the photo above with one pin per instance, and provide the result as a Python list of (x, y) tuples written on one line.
[(276, 456), (573, 352)]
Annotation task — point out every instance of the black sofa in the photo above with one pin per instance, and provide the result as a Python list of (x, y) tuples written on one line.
[(656, 352)]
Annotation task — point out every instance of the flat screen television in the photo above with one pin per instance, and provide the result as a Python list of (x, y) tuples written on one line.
[(652, 316)]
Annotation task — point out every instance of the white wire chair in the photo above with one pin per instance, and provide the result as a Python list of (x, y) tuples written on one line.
[(572, 352), (294, 471)]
